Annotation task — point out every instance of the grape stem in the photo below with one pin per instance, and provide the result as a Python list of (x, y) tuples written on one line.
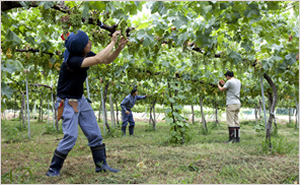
[(80, 4), (119, 21)]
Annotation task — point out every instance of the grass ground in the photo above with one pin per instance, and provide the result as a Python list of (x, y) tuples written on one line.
[(204, 160)]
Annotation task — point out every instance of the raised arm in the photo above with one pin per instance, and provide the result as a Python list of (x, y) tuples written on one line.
[(221, 88), (140, 97), (116, 53), (102, 56)]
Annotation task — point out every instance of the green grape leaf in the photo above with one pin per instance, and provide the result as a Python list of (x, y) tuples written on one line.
[(99, 5), (156, 6), (181, 97), (272, 5), (235, 56), (25, 3), (11, 36), (16, 65), (246, 45), (277, 47), (223, 6), (119, 14), (290, 58), (48, 4), (169, 120), (206, 9), (6, 90), (178, 107), (171, 100), (137, 3), (168, 110), (162, 10), (180, 124), (86, 8), (180, 21)]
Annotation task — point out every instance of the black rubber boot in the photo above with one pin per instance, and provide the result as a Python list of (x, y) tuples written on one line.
[(131, 130), (234, 135), (231, 134), (124, 130), (237, 139), (99, 156), (56, 164)]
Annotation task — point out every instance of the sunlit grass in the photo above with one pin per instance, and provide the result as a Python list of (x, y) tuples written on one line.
[(205, 159)]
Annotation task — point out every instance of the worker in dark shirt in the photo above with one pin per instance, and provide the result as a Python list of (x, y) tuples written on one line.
[(73, 108)]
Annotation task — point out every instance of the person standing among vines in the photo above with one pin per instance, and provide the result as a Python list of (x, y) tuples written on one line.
[(127, 104), (233, 105), (72, 106)]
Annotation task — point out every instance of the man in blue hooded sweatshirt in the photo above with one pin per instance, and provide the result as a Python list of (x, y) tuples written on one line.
[(127, 104), (75, 107)]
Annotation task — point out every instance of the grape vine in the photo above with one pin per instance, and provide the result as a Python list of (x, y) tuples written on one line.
[(75, 19), (133, 47), (48, 14), (65, 21), (123, 26), (101, 37)]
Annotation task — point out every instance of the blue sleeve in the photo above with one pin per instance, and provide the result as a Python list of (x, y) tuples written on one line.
[(124, 102), (74, 63), (90, 54), (140, 97)]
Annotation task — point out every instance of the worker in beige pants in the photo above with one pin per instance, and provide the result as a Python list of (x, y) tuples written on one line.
[(233, 104), (232, 118)]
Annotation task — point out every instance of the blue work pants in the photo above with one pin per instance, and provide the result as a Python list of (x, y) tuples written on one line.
[(127, 118), (86, 120)]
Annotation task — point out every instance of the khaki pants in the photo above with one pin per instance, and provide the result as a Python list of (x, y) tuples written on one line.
[(232, 115)]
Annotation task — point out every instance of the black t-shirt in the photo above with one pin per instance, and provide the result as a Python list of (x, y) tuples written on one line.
[(72, 77)]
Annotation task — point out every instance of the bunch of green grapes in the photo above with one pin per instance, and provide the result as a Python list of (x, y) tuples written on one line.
[(157, 47), (123, 26), (196, 57), (100, 37), (75, 19), (241, 69), (52, 15), (65, 21), (48, 14), (45, 13), (133, 47), (238, 69), (34, 59), (104, 38), (224, 62), (93, 36), (231, 65), (193, 58), (215, 64), (257, 70), (205, 63), (44, 61)]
